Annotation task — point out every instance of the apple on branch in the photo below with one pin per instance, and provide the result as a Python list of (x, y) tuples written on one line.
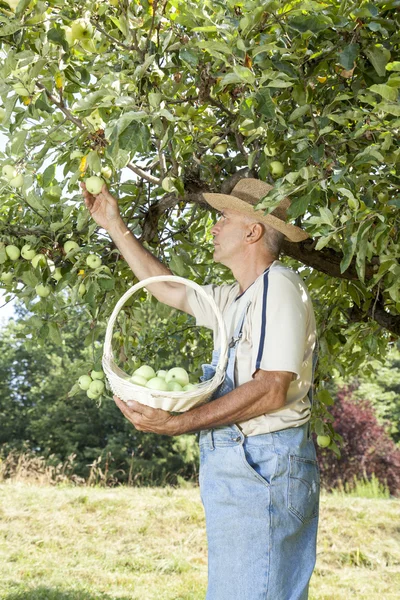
[(93, 261), (42, 290), (13, 252), (84, 382), (94, 184), (9, 172), (28, 252)]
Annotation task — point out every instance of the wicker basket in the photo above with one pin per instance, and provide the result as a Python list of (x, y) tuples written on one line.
[(170, 401)]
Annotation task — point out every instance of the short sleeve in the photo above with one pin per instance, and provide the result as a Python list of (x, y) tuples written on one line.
[(279, 323), (202, 310)]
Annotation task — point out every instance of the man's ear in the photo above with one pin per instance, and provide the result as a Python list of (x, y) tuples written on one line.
[(255, 232)]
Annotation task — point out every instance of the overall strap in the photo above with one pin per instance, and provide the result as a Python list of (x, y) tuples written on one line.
[(239, 328), (263, 319), (314, 366)]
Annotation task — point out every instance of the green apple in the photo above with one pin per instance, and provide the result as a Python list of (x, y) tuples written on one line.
[(13, 252), (157, 383), (70, 245), (84, 382), (9, 172), (81, 289), (323, 441), (106, 172), (17, 181), (57, 275), (189, 387), (97, 375), (81, 30), (174, 386), (138, 380), (39, 259), (93, 261), (94, 184), (276, 168), (28, 252), (2, 114), (105, 269), (161, 373), (145, 371), (97, 387), (92, 395), (42, 290), (7, 277), (177, 374)]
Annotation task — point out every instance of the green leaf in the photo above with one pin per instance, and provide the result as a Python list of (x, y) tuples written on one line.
[(348, 252), (325, 397), (91, 100), (19, 143), (378, 57), (314, 24), (386, 91), (391, 109), (30, 279), (57, 36), (393, 66), (10, 28), (94, 162), (265, 104), (48, 175), (189, 56), (54, 333), (299, 112), (348, 56), (299, 206), (135, 138)]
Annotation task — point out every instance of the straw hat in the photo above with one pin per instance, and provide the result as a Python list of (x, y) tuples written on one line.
[(245, 195)]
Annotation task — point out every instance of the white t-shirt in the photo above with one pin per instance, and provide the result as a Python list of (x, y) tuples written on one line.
[(279, 334)]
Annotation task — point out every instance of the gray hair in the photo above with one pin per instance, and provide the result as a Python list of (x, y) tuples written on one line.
[(273, 240)]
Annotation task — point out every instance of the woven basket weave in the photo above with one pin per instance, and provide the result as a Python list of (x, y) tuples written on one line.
[(170, 401)]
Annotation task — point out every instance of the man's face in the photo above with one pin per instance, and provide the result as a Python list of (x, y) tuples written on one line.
[(229, 237)]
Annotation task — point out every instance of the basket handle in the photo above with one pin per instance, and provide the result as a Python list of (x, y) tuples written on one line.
[(108, 353)]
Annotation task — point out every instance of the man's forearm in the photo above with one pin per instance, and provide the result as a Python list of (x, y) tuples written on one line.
[(141, 261), (245, 402)]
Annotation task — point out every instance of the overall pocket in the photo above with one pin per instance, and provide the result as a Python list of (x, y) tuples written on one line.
[(261, 461), (303, 496)]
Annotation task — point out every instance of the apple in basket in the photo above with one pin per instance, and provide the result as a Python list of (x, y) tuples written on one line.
[(177, 374), (145, 371)]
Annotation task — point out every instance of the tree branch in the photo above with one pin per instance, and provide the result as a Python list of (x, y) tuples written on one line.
[(143, 175)]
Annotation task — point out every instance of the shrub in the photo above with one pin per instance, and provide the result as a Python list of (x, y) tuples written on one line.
[(367, 448)]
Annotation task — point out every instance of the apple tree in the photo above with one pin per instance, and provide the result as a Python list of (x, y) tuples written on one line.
[(166, 99)]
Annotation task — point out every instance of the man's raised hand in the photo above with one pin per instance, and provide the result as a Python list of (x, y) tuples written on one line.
[(103, 207)]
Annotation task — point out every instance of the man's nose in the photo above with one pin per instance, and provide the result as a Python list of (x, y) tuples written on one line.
[(214, 228)]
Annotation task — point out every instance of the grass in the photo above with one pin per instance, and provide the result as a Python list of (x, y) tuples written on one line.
[(74, 543)]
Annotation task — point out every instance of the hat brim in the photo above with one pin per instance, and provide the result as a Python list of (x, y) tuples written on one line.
[(225, 201)]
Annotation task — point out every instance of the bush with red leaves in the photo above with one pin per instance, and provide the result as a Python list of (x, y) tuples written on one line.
[(367, 448)]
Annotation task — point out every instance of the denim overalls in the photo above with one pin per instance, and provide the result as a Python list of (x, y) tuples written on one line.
[(260, 495)]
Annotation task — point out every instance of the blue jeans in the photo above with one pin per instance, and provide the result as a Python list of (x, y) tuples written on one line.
[(260, 495)]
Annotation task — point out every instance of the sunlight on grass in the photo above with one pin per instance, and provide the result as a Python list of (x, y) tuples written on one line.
[(66, 543)]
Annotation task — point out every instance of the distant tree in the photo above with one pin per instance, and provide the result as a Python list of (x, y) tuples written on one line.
[(367, 447), (382, 389), (39, 416)]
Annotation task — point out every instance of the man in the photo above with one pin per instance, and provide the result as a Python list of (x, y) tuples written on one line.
[(259, 480)]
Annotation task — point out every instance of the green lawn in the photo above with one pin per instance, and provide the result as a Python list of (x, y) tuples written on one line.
[(65, 543)]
